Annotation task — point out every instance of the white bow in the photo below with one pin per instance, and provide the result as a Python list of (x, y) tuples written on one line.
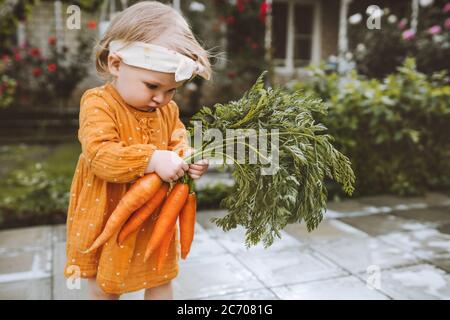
[(154, 57)]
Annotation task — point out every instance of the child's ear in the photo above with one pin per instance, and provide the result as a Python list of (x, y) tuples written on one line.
[(114, 64)]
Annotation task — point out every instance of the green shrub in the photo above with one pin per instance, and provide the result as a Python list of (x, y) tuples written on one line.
[(395, 130), (38, 193), (211, 196)]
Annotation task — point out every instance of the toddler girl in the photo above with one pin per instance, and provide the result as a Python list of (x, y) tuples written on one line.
[(130, 127)]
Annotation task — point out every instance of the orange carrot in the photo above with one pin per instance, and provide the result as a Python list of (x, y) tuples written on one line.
[(167, 216), (187, 224), (138, 217), (164, 248), (142, 190)]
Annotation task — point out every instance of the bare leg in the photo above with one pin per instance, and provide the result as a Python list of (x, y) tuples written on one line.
[(95, 293), (162, 292)]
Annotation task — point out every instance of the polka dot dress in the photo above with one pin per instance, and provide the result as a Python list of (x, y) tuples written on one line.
[(117, 143)]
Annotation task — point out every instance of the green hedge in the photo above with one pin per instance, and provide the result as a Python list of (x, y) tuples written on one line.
[(394, 130), (38, 192)]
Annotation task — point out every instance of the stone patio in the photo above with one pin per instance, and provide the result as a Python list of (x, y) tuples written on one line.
[(380, 247)]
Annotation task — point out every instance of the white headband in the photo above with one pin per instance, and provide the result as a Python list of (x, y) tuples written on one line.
[(154, 57)]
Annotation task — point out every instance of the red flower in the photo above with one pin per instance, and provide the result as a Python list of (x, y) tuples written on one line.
[(17, 56), (5, 58), (37, 72), (52, 40), (263, 8), (240, 5), (92, 25), (231, 74), (51, 67), (35, 52), (254, 45), (231, 20)]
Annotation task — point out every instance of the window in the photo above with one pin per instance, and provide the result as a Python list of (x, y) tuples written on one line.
[(303, 21), (280, 14), (293, 33)]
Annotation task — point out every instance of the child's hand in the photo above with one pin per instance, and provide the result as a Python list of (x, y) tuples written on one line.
[(197, 169), (167, 164)]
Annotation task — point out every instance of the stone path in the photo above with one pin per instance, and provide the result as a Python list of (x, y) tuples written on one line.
[(372, 248)]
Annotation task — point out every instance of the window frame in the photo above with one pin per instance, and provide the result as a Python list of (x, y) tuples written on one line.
[(289, 64)]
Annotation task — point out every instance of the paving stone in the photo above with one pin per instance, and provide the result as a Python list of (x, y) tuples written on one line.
[(25, 239), (345, 206), (25, 266), (379, 224), (136, 295), (234, 241), (203, 217), (428, 215), (443, 263), (417, 282), (360, 254), (289, 266), (430, 199), (328, 230), (203, 245), (444, 228), (66, 288), (38, 289), (262, 294), (426, 244), (211, 276), (59, 233), (342, 288)]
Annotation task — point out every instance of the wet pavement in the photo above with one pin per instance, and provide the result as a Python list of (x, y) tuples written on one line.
[(380, 247)]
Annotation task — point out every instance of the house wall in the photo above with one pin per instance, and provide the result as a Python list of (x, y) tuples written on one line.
[(40, 25)]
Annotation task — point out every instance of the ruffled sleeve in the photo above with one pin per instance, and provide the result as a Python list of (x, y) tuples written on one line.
[(108, 157)]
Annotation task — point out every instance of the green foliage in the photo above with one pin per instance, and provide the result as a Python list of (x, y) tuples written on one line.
[(38, 192), (378, 53), (265, 204), (10, 15), (211, 196), (7, 89), (394, 130), (49, 79)]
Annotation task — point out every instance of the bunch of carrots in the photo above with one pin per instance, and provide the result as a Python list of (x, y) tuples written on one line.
[(143, 199)]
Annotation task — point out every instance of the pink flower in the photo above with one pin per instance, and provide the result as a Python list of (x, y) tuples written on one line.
[(408, 34), (402, 24), (447, 23), (435, 30), (446, 8)]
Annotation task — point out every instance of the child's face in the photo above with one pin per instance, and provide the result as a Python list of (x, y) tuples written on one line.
[(141, 88)]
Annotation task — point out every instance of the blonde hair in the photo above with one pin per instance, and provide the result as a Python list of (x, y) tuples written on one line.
[(151, 22)]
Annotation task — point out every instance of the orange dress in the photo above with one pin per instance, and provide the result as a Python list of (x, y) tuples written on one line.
[(117, 143)]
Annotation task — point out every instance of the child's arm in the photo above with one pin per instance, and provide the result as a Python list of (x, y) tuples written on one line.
[(109, 158)]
